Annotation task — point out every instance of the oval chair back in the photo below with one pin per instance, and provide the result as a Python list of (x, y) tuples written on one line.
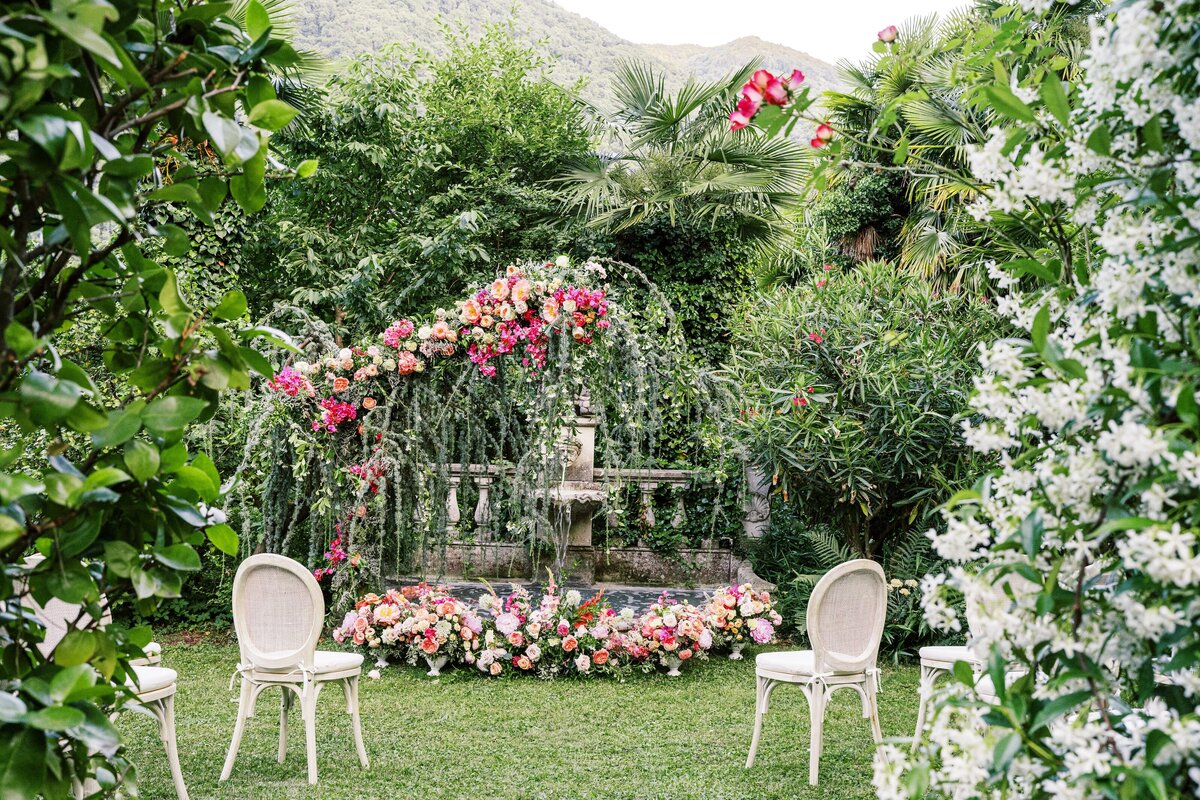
[(278, 613), (846, 613)]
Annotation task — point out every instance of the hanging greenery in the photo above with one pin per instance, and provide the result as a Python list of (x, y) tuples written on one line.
[(359, 446)]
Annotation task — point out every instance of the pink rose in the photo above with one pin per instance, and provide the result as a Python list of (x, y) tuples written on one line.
[(889, 34)]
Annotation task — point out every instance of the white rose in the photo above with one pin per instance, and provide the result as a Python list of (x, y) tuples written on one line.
[(562, 261), (344, 354)]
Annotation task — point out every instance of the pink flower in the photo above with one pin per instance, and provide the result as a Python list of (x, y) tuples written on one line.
[(406, 363), (816, 143), (600, 657), (889, 34), (569, 644), (495, 668), (583, 663), (396, 332), (795, 79), (824, 132)]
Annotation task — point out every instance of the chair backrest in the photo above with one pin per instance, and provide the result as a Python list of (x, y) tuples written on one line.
[(846, 613), (278, 612)]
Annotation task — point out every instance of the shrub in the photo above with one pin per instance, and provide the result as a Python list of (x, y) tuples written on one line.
[(850, 388), (94, 473)]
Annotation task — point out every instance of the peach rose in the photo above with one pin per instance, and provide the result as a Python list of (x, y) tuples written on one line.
[(368, 403), (495, 668), (524, 663), (600, 657), (569, 644), (340, 384), (429, 646)]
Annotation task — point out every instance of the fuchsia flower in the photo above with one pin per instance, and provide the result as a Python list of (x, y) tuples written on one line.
[(889, 34)]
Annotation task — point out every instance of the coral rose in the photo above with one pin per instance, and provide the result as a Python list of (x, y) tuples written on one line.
[(600, 657), (569, 644)]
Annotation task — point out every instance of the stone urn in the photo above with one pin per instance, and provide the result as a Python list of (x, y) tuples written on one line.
[(735, 652), (672, 663), (435, 665), (381, 661)]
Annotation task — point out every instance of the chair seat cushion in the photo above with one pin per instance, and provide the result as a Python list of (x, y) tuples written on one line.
[(151, 679), (946, 653), (325, 662), (794, 662)]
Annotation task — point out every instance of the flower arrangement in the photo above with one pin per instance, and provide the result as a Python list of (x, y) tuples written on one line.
[(514, 315), (740, 615), (562, 634)]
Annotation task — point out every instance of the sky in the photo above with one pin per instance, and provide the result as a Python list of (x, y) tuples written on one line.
[(830, 30)]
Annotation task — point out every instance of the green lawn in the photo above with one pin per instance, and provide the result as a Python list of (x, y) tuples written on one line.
[(466, 736)]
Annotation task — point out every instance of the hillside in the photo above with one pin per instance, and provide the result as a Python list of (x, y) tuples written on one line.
[(710, 63), (344, 28)]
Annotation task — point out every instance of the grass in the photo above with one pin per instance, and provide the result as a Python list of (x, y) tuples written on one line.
[(466, 736)]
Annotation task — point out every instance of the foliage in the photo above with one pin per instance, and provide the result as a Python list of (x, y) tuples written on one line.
[(676, 158), (861, 216), (849, 389), (1077, 557), (98, 479), (370, 458), (904, 110), (428, 160)]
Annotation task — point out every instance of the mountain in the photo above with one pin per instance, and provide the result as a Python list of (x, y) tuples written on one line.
[(710, 63), (585, 49)]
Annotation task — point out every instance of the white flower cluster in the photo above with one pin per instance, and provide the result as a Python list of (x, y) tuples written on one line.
[(1082, 547)]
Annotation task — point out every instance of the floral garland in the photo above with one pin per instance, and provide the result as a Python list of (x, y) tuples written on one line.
[(561, 634), (514, 315)]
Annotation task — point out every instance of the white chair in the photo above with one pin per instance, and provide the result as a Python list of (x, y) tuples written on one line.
[(154, 686), (845, 624), (278, 614), (937, 660)]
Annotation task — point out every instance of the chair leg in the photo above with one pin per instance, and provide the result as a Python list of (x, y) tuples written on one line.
[(238, 728), (817, 694), (285, 705), (873, 699), (308, 707), (925, 690), (166, 730), (351, 688), (760, 709)]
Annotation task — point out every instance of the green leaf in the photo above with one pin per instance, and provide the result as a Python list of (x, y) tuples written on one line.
[(1055, 98), (23, 766), (247, 188), (307, 168), (141, 458), (20, 340), (75, 648), (71, 680), (223, 537), (12, 708), (1040, 329), (273, 115), (103, 477), (1002, 99), (88, 39), (10, 530), (224, 133), (195, 480), (122, 426), (1057, 707), (48, 399), (257, 21), (180, 557), (1100, 141), (1005, 751), (172, 302), (168, 415), (177, 242), (55, 718), (232, 305)]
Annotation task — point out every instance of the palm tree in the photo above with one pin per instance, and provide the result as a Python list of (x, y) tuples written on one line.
[(673, 155), (904, 110)]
